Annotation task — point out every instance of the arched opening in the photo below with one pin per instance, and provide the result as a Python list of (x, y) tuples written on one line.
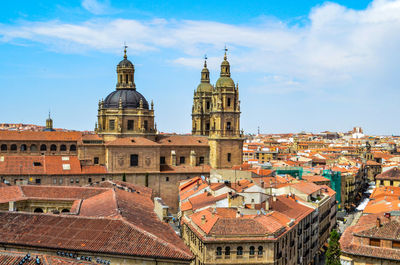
[(33, 148), (65, 211), (252, 250), (3, 147), (23, 147), (38, 210), (126, 79), (63, 147), (260, 250), (43, 147), (219, 251), (13, 147), (53, 147), (72, 148), (239, 251), (227, 251)]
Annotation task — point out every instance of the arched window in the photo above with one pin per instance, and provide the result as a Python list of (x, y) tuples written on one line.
[(53, 147), (3, 147), (239, 251), (13, 147), (72, 148), (252, 250), (219, 251), (23, 147), (33, 148), (260, 250), (229, 102), (120, 78), (43, 147), (38, 210), (227, 251), (228, 125), (63, 147), (65, 211)]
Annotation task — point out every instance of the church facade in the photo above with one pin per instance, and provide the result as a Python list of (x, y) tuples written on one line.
[(126, 143)]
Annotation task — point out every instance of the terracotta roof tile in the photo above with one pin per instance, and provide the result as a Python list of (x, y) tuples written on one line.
[(39, 136)]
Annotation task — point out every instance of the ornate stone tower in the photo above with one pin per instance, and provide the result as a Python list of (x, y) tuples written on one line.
[(125, 112), (49, 124), (225, 138), (202, 104)]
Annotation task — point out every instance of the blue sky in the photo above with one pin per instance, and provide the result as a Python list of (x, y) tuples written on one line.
[(300, 65)]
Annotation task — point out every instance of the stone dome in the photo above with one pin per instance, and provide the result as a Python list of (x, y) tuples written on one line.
[(205, 87), (225, 81), (130, 99), (125, 63)]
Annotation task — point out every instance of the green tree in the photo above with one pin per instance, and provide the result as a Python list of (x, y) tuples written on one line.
[(124, 177), (333, 252)]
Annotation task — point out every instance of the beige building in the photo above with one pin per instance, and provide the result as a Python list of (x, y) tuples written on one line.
[(126, 143), (114, 223)]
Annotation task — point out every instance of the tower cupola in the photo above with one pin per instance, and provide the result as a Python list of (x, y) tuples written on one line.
[(125, 74)]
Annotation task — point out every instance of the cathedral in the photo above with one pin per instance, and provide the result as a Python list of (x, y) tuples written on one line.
[(126, 144)]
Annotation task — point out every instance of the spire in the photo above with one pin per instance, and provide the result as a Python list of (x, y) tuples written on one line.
[(125, 56), (205, 74), (225, 67)]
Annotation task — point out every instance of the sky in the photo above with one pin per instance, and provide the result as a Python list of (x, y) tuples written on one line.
[(300, 65)]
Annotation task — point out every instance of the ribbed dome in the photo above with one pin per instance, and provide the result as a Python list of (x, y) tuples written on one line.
[(204, 87), (125, 63), (130, 99), (225, 81)]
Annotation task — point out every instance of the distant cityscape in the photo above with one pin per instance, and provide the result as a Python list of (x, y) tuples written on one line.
[(127, 194)]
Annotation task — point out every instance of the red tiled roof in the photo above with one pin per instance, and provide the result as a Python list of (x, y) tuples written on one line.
[(306, 187), (391, 174), (13, 257), (47, 165), (204, 199), (182, 140), (39, 136), (366, 227), (124, 218)]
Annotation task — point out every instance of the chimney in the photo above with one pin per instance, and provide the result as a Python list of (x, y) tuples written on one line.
[(274, 197), (11, 206), (378, 222), (262, 184), (238, 214), (203, 219), (214, 211)]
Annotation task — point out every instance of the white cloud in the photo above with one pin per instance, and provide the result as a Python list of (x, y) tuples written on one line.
[(337, 47), (96, 7)]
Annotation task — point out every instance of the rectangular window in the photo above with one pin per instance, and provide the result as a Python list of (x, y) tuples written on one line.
[(71, 180), (54, 180), (77, 180), (96, 160), (229, 157), (89, 180), (112, 125), (229, 102), (208, 104), (134, 160), (391, 183), (381, 183), (182, 160), (201, 160), (207, 126), (38, 181), (396, 244), (130, 125), (146, 125), (60, 181), (228, 125), (375, 242), (166, 179), (162, 160)]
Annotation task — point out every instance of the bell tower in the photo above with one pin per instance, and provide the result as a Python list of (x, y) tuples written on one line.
[(225, 138), (202, 104)]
